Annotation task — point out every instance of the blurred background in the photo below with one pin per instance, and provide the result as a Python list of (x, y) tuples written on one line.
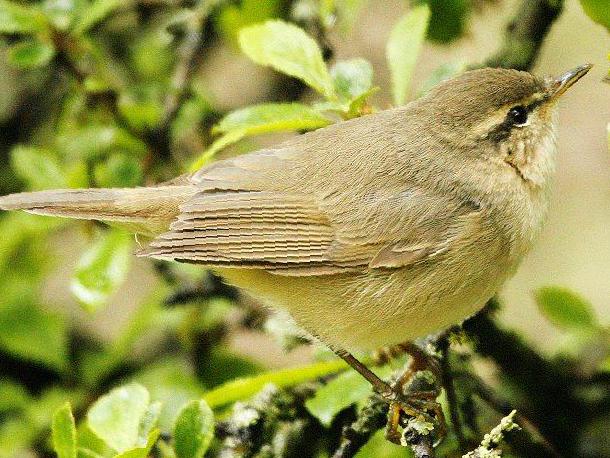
[(79, 313)]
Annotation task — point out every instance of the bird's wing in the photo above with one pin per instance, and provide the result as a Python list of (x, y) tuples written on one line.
[(255, 229), (304, 233)]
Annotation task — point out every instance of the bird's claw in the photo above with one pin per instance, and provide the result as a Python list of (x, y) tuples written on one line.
[(415, 409), (419, 407)]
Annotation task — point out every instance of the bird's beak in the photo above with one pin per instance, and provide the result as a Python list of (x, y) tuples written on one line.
[(565, 81)]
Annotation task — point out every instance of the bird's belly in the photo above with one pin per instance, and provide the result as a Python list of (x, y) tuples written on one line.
[(379, 307)]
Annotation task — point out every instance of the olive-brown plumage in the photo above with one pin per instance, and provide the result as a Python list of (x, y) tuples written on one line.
[(371, 231)]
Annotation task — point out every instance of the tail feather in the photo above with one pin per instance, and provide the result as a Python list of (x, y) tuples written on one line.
[(148, 211)]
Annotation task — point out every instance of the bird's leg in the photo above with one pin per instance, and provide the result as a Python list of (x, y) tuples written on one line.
[(420, 361), (415, 404), (382, 388)]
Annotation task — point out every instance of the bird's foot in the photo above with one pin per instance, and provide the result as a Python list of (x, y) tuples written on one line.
[(415, 414), (412, 400), (412, 397)]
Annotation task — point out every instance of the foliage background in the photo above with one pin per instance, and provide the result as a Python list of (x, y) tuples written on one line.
[(162, 327)]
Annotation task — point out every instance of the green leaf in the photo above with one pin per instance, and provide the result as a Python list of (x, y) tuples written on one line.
[(142, 115), (89, 444), (148, 422), (102, 269), (222, 142), (353, 84), (448, 20), (94, 141), (95, 13), (152, 57), (19, 19), (39, 168), (259, 119), (173, 383), (29, 54), (341, 392), (288, 49), (142, 104), (272, 117), (13, 396), (194, 430), (33, 334), (403, 47), (222, 366), (356, 105), (119, 171), (352, 78), (565, 309), (243, 388), (442, 73), (144, 451), (598, 10), (97, 85), (64, 432), (344, 390), (379, 447), (116, 417), (86, 453), (233, 18)]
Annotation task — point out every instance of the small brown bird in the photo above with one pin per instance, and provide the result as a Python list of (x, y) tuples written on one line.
[(369, 232)]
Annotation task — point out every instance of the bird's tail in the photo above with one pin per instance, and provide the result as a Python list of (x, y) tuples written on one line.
[(147, 211)]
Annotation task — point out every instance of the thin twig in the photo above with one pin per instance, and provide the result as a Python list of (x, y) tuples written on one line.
[(491, 441), (447, 379), (210, 287), (189, 54)]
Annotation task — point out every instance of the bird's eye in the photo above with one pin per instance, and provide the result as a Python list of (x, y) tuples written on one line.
[(518, 115)]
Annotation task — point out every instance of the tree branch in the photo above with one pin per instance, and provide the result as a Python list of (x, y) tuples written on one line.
[(370, 419), (528, 444), (157, 140), (273, 423), (525, 34), (423, 447), (491, 441), (527, 372)]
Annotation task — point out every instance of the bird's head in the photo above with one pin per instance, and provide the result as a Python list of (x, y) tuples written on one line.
[(503, 116)]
